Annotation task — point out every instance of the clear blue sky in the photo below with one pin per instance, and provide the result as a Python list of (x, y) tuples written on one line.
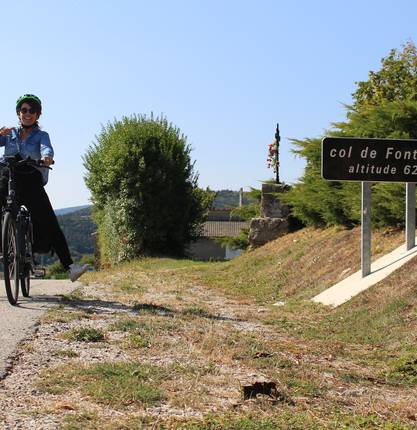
[(224, 72)]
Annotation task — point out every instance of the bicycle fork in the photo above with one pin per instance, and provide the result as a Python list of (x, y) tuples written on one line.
[(21, 238)]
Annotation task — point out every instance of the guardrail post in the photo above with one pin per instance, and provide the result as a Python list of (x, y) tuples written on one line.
[(366, 229), (410, 215)]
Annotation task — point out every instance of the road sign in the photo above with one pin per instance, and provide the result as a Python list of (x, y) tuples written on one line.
[(371, 160)]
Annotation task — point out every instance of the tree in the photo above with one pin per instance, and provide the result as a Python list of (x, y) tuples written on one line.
[(396, 80), (385, 106), (144, 189), (317, 202)]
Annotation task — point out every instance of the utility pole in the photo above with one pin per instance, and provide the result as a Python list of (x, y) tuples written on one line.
[(277, 140)]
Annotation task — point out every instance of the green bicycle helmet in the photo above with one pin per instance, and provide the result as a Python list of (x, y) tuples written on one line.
[(31, 99)]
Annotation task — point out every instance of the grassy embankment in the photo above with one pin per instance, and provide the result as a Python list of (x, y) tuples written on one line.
[(350, 367), (295, 268)]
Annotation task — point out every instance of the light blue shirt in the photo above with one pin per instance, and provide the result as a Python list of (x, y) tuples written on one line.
[(36, 146)]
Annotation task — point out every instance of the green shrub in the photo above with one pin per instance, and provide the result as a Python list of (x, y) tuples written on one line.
[(56, 271), (86, 334), (235, 242), (144, 189), (87, 259)]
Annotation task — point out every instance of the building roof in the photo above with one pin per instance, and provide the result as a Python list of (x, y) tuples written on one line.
[(223, 228)]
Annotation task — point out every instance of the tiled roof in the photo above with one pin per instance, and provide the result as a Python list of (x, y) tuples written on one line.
[(223, 228)]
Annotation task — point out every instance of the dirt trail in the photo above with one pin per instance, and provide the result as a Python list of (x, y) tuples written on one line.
[(208, 346)]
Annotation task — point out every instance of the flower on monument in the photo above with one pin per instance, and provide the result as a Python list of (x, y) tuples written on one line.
[(272, 159)]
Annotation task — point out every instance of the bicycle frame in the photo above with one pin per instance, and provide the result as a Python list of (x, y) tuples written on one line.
[(18, 212), (11, 199), (17, 235), (11, 203)]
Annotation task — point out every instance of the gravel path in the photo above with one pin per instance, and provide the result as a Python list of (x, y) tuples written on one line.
[(17, 322)]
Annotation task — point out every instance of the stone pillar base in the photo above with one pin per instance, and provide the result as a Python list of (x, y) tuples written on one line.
[(263, 230), (271, 205)]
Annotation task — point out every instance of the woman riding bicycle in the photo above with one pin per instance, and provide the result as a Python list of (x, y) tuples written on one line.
[(29, 141)]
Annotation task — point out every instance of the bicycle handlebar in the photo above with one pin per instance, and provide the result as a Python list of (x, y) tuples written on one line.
[(35, 163), (27, 161)]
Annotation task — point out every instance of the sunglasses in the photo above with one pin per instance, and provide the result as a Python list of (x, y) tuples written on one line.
[(31, 110)]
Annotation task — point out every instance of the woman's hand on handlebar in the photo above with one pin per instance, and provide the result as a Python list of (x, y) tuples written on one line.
[(47, 161), (4, 131)]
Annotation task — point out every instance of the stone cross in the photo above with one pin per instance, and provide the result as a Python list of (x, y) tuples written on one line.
[(277, 140)]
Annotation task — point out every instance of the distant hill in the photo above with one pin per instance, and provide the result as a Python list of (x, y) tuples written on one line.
[(69, 210), (78, 228), (224, 199), (230, 199)]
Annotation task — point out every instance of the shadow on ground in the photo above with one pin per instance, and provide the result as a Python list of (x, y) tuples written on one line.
[(109, 307)]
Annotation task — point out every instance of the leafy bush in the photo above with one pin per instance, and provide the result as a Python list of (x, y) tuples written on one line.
[(88, 259), (252, 208), (56, 271), (144, 189), (235, 242)]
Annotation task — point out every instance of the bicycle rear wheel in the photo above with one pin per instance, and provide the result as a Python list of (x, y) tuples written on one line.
[(25, 282), (10, 259)]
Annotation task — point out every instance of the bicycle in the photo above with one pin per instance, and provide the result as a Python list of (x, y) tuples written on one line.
[(17, 235)]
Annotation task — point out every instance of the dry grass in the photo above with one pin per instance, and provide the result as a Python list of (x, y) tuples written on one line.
[(369, 339), (201, 331)]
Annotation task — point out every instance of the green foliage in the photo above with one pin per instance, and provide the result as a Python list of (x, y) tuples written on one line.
[(390, 119), (118, 384), (251, 206), (404, 373), (238, 242), (385, 107), (246, 212), (397, 79), (86, 334), (144, 189), (225, 199), (293, 420), (250, 209), (318, 202), (389, 204), (128, 324), (56, 271), (87, 259)]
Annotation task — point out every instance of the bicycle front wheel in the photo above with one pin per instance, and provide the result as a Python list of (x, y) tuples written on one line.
[(26, 259), (10, 259)]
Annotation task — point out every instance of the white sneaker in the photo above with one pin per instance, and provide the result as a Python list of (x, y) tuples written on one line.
[(76, 270)]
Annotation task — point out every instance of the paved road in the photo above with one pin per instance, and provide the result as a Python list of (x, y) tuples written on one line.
[(17, 322)]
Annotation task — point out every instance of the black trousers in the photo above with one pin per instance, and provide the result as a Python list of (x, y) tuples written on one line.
[(46, 230)]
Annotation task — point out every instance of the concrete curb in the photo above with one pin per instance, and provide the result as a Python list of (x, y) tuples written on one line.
[(353, 285)]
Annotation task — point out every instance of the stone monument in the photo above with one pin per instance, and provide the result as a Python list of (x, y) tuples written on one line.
[(273, 220)]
